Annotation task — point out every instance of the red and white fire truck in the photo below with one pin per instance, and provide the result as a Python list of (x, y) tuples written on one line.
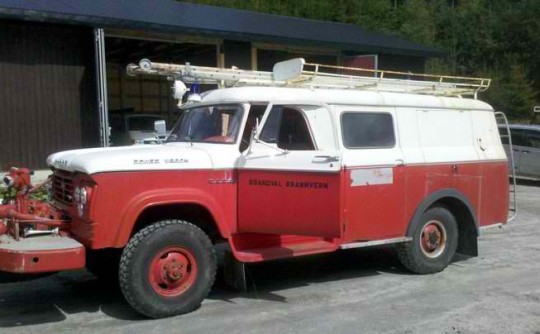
[(306, 159)]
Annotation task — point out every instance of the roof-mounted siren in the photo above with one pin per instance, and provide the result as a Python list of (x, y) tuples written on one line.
[(179, 87), (179, 90), (145, 64)]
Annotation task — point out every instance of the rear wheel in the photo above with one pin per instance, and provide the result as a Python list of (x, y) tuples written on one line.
[(167, 269), (434, 242)]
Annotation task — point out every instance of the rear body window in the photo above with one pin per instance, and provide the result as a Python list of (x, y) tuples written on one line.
[(367, 130)]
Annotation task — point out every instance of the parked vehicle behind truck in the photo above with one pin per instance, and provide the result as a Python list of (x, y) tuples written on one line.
[(280, 164), (525, 147)]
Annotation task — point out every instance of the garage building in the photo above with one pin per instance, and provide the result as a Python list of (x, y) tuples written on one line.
[(62, 63)]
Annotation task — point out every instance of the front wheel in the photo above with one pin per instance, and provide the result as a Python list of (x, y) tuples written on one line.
[(434, 242), (167, 269)]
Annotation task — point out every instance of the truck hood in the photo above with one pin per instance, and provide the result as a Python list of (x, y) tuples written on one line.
[(131, 158)]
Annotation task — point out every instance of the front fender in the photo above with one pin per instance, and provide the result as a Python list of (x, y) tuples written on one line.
[(151, 198)]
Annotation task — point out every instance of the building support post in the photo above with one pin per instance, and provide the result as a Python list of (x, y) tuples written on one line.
[(101, 75)]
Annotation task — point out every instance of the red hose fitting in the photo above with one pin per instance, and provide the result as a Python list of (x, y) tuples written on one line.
[(10, 211)]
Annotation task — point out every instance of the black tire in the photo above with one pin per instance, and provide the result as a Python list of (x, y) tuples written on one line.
[(167, 268), (434, 242)]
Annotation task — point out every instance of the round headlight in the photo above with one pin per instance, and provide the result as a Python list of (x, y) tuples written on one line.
[(77, 194), (83, 196), (80, 209)]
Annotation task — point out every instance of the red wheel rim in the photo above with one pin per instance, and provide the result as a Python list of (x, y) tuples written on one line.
[(172, 271), (433, 239)]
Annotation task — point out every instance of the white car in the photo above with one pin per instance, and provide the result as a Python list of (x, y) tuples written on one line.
[(525, 147), (132, 129)]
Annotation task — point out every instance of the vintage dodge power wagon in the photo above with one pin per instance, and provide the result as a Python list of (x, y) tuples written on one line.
[(303, 160)]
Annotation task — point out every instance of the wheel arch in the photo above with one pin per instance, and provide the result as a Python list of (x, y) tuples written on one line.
[(460, 206), (199, 209), (195, 213)]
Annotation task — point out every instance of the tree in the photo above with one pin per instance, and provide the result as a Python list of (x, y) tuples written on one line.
[(512, 93), (497, 37)]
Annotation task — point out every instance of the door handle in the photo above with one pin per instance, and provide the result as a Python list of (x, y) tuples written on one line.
[(526, 151), (324, 159), (399, 163)]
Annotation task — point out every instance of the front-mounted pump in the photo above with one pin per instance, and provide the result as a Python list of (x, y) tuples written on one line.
[(34, 235)]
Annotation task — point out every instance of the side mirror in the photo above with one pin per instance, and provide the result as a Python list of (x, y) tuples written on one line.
[(160, 127)]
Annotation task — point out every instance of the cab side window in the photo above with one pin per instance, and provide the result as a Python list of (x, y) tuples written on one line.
[(287, 127)]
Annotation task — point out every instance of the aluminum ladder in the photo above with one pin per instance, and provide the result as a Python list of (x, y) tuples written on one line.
[(297, 73), (512, 206)]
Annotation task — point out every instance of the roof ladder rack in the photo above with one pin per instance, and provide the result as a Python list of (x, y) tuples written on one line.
[(512, 206), (297, 73)]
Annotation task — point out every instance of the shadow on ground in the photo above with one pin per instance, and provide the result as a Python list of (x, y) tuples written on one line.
[(55, 298)]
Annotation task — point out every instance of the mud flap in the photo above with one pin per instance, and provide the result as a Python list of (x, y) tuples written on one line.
[(235, 272)]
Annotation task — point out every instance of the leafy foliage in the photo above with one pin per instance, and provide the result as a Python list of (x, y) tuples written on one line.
[(482, 37), (41, 194)]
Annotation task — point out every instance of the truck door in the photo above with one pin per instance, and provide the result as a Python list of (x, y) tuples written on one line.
[(289, 182)]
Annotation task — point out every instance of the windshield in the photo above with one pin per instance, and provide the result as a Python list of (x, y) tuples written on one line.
[(208, 124), (142, 123)]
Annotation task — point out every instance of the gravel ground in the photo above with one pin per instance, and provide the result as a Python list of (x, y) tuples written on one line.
[(358, 291)]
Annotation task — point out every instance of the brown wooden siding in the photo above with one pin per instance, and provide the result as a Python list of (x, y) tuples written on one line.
[(47, 91)]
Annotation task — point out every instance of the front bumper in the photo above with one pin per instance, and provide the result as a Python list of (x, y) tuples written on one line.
[(40, 254)]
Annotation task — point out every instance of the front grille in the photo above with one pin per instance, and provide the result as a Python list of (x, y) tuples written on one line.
[(62, 188)]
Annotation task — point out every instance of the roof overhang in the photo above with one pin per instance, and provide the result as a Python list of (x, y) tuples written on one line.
[(186, 18)]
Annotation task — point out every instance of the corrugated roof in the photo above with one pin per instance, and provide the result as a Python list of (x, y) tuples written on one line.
[(174, 16)]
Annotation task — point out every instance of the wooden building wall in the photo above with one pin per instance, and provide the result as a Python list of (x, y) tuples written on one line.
[(47, 91)]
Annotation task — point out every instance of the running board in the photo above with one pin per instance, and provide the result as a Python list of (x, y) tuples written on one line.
[(375, 243)]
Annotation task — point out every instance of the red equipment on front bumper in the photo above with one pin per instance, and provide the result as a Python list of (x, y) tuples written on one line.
[(34, 236), (40, 254)]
